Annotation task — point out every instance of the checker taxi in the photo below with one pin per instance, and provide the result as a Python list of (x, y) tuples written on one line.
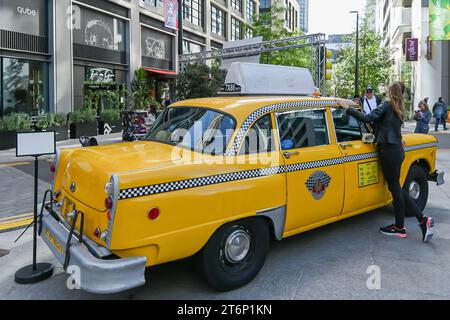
[(218, 179)]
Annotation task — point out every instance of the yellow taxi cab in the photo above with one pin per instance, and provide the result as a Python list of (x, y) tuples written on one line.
[(218, 178)]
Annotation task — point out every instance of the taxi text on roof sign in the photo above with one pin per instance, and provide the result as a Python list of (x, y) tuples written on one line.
[(265, 79)]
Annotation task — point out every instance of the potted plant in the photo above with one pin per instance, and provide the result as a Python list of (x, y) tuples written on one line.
[(58, 123), (111, 118), (9, 125), (82, 123)]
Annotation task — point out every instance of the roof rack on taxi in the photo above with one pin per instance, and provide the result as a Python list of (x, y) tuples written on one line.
[(265, 79)]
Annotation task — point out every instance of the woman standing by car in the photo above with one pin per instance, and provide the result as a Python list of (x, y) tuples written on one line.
[(387, 119), (423, 118)]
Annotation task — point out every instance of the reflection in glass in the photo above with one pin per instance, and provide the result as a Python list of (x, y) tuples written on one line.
[(24, 86)]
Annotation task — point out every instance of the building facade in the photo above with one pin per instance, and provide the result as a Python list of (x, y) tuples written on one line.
[(50, 50), (304, 15), (290, 13), (428, 76)]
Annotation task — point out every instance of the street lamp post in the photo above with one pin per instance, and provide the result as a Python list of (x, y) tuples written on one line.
[(357, 54)]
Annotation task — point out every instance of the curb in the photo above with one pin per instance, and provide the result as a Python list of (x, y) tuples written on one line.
[(15, 222)]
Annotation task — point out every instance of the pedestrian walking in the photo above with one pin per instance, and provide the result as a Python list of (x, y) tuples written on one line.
[(370, 101), (440, 114), (423, 118), (387, 119), (357, 100)]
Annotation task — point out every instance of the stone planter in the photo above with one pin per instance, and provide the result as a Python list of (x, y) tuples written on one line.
[(7, 140), (61, 133), (83, 129)]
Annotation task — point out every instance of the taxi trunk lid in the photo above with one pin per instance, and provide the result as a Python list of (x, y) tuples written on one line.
[(88, 170)]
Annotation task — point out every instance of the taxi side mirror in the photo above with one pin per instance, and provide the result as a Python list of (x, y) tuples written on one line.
[(368, 138)]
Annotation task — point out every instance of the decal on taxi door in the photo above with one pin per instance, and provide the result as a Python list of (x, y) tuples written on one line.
[(317, 184)]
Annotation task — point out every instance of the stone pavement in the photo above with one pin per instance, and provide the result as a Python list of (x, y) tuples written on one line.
[(327, 263)]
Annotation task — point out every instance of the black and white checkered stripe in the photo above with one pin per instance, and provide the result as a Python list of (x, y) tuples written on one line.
[(249, 174), (272, 108)]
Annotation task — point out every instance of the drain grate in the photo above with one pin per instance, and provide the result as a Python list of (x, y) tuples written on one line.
[(3, 252)]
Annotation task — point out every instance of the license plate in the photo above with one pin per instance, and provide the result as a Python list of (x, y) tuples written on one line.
[(68, 207), (54, 242)]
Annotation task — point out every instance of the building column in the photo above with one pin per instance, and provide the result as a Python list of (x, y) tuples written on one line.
[(62, 67), (134, 43)]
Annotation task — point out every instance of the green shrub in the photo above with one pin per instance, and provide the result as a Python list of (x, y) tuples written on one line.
[(59, 119), (82, 116), (15, 121), (110, 115)]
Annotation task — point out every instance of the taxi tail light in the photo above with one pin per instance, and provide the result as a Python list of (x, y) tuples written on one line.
[(109, 203), (153, 213)]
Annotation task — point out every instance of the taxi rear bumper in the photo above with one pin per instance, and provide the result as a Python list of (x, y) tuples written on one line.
[(87, 271)]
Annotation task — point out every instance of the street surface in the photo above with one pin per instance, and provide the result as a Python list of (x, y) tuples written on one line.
[(327, 263)]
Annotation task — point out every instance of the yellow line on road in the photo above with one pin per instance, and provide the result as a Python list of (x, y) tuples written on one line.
[(16, 217), (14, 164), (16, 224)]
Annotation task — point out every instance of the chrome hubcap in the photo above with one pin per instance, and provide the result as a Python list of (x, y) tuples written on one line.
[(414, 190), (237, 246)]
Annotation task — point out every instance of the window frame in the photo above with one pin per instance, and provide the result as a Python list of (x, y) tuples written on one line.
[(327, 126), (368, 128), (274, 144), (223, 25)]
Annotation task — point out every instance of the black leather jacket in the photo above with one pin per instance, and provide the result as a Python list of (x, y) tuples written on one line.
[(385, 121)]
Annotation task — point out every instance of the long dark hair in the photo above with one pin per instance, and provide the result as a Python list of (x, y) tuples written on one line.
[(395, 93)]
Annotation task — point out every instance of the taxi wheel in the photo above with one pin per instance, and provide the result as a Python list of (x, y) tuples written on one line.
[(416, 185), (235, 254)]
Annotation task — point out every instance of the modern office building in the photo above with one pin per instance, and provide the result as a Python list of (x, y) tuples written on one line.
[(304, 15), (290, 14), (51, 49), (397, 20)]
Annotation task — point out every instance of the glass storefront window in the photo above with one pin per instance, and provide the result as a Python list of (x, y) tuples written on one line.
[(190, 47), (24, 86)]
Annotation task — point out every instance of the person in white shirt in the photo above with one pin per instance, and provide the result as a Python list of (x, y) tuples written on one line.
[(370, 101)]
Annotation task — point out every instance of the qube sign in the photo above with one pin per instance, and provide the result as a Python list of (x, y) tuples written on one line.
[(26, 11)]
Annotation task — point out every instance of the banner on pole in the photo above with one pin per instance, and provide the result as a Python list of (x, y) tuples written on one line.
[(171, 14), (440, 20), (412, 49)]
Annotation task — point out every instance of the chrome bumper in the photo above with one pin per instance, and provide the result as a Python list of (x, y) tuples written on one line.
[(438, 177), (95, 275)]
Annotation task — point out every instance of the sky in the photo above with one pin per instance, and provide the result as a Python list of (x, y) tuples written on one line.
[(332, 16)]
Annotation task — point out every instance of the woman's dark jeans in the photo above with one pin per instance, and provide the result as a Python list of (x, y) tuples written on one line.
[(391, 158)]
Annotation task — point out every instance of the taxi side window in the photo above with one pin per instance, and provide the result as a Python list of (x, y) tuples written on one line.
[(302, 129), (347, 127), (259, 138)]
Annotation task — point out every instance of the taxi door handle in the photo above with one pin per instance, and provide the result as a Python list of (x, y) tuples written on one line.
[(346, 145), (288, 155)]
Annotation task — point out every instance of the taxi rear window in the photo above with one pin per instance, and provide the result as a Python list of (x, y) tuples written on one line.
[(199, 129)]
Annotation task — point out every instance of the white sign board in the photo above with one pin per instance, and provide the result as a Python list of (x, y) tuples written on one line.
[(35, 143)]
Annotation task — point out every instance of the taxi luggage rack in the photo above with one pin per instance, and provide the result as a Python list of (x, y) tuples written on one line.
[(49, 206)]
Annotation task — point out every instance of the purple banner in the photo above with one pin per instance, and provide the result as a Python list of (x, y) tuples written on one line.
[(412, 49), (171, 14)]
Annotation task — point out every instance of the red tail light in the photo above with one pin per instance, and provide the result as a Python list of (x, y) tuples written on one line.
[(109, 203)]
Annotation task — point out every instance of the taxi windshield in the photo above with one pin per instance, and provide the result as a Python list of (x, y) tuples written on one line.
[(199, 129)]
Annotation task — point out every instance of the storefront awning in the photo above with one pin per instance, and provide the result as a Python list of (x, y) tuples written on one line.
[(162, 73)]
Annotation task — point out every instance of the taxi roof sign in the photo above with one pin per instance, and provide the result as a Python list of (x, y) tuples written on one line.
[(265, 79)]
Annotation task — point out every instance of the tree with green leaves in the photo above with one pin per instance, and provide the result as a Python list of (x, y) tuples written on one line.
[(200, 81), (139, 93), (374, 62)]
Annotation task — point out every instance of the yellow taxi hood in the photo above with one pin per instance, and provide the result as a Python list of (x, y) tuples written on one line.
[(91, 168)]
